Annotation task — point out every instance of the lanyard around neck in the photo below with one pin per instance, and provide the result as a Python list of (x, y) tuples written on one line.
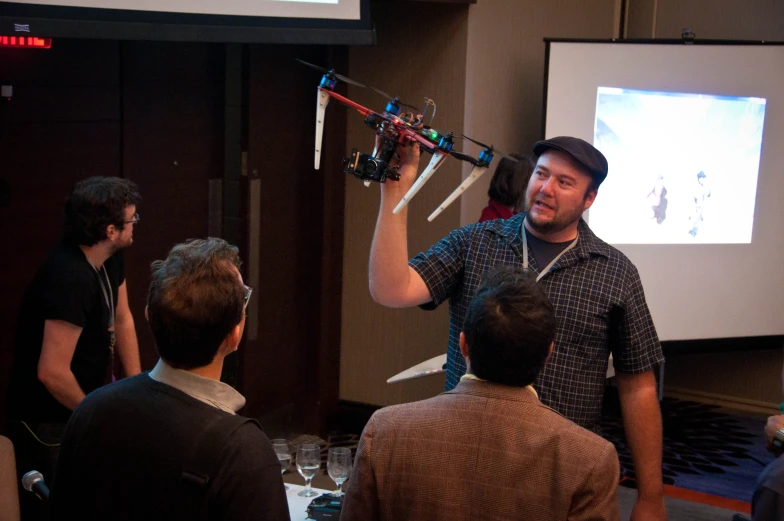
[(547, 269), (108, 295)]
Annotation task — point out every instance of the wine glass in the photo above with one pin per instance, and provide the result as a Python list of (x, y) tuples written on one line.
[(283, 450), (339, 466), (308, 463)]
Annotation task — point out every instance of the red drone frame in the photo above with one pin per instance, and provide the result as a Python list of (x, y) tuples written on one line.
[(396, 129)]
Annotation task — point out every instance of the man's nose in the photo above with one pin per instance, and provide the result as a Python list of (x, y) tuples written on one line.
[(548, 187)]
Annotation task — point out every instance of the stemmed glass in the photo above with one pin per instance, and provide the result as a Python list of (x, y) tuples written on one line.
[(339, 466), (283, 450), (308, 463)]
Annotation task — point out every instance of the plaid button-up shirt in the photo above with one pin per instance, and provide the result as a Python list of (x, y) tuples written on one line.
[(599, 306)]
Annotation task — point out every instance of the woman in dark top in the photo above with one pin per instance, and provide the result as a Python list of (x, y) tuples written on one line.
[(507, 188)]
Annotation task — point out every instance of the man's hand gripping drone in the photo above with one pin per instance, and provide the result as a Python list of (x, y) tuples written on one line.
[(396, 129)]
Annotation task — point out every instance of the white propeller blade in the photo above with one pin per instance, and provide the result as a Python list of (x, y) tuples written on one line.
[(468, 181), (437, 161), (322, 100)]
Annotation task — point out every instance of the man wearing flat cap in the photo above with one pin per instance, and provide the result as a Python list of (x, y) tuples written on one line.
[(596, 292)]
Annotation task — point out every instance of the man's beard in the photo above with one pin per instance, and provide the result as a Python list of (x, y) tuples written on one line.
[(117, 247), (558, 223)]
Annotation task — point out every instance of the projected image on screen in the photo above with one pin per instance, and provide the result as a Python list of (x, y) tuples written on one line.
[(683, 167)]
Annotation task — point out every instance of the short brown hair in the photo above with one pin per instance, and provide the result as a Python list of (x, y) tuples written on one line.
[(194, 301)]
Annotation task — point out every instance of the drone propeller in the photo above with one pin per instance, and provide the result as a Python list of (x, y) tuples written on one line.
[(394, 98), (331, 71), (474, 141), (462, 157), (491, 148)]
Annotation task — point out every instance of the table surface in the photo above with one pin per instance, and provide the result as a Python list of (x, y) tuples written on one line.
[(298, 505)]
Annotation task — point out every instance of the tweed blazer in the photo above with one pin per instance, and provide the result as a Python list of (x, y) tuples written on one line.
[(480, 452)]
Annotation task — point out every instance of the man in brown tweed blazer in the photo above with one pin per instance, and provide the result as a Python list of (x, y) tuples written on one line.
[(488, 449)]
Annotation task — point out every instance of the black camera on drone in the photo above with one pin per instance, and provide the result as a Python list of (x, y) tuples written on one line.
[(375, 168), (369, 168)]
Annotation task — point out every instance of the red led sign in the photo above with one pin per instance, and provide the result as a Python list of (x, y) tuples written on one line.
[(29, 42)]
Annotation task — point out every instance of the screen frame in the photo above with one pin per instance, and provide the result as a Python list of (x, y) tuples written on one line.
[(119, 24)]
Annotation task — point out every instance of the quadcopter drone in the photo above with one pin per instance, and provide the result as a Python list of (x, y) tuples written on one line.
[(396, 127)]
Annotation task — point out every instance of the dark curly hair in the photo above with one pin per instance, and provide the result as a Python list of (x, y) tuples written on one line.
[(509, 327), (510, 180), (94, 204), (194, 301)]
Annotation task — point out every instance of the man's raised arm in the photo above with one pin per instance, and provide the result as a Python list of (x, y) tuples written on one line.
[(392, 281)]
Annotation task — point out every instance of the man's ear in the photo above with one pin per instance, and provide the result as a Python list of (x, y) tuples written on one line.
[(111, 230), (550, 351), (590, 197), (233, 339), (463, 345), (146, 313)]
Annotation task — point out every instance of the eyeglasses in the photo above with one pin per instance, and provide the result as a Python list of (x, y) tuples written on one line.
[(248, 292), (134, 219)]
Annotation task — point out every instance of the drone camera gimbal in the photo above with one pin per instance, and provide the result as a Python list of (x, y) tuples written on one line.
[(368, 168), (374, 167)]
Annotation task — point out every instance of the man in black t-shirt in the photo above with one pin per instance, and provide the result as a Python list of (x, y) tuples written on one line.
[(73, 321)]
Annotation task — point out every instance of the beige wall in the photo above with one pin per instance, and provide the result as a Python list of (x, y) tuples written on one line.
[(742, 379), (639, 19), (505, 71), (720, 19), (421, 52), (737, 378), (484, 66)]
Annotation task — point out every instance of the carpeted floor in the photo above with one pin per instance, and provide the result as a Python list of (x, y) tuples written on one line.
[(706, 449)]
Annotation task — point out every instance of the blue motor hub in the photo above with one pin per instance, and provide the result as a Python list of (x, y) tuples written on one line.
[(328, 82), (486, 156), (393, 108), (446, 143)]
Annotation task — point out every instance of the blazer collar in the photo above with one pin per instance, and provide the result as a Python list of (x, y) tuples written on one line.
[(487, 389)]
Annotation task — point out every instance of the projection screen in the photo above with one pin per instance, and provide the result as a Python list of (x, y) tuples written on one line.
[(694, 136)]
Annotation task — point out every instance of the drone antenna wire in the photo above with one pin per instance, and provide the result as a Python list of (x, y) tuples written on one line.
[(429, 102)]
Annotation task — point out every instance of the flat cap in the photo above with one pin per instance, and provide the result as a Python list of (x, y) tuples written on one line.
[(581, 151)]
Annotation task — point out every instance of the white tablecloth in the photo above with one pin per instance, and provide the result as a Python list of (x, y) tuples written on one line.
[(298, 505)]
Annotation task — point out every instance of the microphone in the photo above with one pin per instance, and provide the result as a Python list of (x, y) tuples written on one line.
[(33, 482)]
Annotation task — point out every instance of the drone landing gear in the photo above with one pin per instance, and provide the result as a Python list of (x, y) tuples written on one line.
[(322, 100), (438, 159), (475, 173)]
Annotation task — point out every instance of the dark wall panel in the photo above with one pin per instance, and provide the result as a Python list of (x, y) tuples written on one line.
[(61, 125), (154, 112), (295, 362), (172, 146)]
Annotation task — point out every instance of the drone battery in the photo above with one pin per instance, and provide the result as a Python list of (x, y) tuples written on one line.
[(325, 508)]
